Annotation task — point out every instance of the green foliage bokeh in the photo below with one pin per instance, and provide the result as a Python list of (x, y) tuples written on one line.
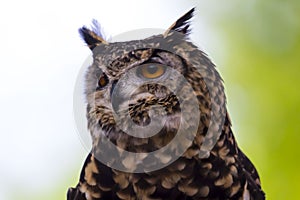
[(262, 79)]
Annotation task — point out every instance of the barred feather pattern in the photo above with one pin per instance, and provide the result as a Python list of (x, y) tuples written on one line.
[(224, 173)]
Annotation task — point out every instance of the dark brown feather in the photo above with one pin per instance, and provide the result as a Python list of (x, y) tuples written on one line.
[(93, 36), (182, 24)]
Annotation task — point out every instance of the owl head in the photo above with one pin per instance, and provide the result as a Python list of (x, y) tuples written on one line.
[(141, 93)]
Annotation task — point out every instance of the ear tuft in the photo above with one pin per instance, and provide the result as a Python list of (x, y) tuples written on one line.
[(182, 24), (92, 37)]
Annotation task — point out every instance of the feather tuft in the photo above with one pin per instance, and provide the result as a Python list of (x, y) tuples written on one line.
[(94, 36), (182, 25)]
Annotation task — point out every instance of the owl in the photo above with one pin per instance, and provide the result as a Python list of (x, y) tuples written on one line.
[(160, 130)]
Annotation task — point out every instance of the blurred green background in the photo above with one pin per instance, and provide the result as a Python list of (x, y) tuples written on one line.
[(261, 69), (256, 47)]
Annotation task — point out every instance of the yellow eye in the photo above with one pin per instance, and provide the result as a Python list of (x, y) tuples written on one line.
[(103, 80), (152, 71)]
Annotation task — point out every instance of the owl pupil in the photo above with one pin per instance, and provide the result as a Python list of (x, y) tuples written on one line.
[(152, 69)]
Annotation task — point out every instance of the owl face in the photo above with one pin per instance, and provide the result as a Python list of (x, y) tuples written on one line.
[(140, 93), (136, 88), (136, 79)]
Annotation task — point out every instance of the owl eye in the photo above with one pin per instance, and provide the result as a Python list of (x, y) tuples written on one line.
[(103, 81), (151, 71)]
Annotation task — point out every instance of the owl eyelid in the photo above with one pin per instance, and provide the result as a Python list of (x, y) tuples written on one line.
[(157, 60)]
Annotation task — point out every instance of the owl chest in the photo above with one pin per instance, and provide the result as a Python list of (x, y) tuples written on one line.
[(184, 179)]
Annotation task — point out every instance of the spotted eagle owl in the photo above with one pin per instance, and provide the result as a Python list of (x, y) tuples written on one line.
[(160, 130)]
